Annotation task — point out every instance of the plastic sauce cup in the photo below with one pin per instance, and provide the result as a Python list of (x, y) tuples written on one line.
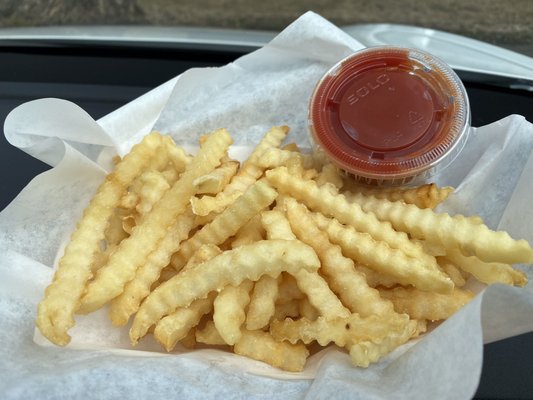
[(390, 115)]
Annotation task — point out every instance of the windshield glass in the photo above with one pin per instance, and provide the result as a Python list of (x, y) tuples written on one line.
[(502, 23)]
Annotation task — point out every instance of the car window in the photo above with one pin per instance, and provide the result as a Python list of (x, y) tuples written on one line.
[(503, 23)]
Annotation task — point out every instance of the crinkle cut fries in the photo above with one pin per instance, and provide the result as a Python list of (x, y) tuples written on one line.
[(265, 257)]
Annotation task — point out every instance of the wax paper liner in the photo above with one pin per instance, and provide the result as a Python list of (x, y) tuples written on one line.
[(268, 87)]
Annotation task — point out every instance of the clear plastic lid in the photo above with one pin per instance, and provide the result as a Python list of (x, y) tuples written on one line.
[(390, 115)]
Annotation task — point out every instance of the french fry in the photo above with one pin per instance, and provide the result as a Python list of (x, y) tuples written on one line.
[(245, 177), (177, 157), (487, 272), (330, 175), (424, 196), (176, 326), (128, 223), (433, 248), (367, 340), (295, 166), (229, 310), (215, 181), (127, 303), (153, 186), (262, 303), (365, 353), (457, 275), (231, 267), (374, 278), (368, 335), (261, 346), (205, 253), (293, 147), (251, 232), (132, 252), (380, 257), (100, 258), (309, 174), (274, 157), (55, 314), (426, 305), (343, 278), (335, 205), (452, 232), (307, 310), (312, 284), (209, 335), (258, 196)]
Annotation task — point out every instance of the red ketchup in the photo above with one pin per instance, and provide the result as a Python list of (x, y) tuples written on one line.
[(390, 115)]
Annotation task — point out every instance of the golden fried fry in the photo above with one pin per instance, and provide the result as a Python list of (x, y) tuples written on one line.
[(229, 310), (291, 147), (153, 187), (367, 352), (56, 310), (127, 303), (312, 284), (425, 196), (261, 346), (487, 272), (426, 305), (245, 177), (336, 205), (176, 326), (177, 157), (132, 252), (457, 275), (258, 196), (367, 334), (209, 335), (231, 267), (274, 157), (342, 276), (374, 278), (205, 253), (452, 232), (377, 255), (262, 303), (216, 180), (251, 232), (330, 175), (309, 174), (366, 339)]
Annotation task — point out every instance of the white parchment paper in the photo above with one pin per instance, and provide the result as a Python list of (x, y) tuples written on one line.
[(268, 87)]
